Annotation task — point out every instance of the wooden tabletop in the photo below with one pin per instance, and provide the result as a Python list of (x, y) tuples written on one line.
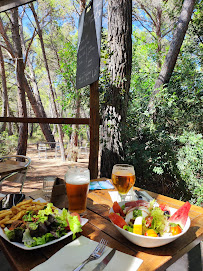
[(99, 226), (6, 168)]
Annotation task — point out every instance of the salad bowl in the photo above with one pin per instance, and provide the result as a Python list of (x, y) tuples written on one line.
[(148, 241)]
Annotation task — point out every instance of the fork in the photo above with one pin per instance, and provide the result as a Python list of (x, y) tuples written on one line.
[(96, 254)]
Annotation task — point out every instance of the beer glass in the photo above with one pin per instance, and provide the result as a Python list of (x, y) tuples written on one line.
[(77, 187), (123, 178)]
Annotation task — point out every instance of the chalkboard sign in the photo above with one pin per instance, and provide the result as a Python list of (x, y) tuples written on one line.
[(89, 42)]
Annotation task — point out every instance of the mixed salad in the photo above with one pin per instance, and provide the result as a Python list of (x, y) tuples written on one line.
[(40, 227), (149, 218)]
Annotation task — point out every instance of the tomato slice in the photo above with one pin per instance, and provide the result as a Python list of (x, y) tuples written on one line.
[(175, 229), (151, 233), (148, 220), (118, 220), (118, 209), (76, 214)]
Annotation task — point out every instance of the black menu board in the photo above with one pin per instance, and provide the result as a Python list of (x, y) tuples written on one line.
[(89, 42)]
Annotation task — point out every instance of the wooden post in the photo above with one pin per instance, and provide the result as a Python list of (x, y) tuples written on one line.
[(94, 130)]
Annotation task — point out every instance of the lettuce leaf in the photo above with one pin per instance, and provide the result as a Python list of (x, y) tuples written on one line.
[(74, 224), (42, 240), (9, 234), (62, 218), (128, 228), (159, 220), (27, 238), (49, 210), (28, 216)]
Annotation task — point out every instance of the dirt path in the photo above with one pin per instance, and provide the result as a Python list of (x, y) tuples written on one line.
[(41, 167)]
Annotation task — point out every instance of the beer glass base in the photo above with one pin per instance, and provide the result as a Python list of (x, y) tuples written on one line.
[(77, 211), (123, 196)]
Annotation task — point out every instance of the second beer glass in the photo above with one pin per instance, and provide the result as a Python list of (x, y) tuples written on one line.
[(77, 187), (123, 178)]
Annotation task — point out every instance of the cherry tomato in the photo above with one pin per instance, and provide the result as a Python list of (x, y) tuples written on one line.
[(118, 220), (151, 233), (118, 209), (148, 220), (162, 207), (165, 208), (175, 229)]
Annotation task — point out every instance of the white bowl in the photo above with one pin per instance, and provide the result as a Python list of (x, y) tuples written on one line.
[(147, 241)]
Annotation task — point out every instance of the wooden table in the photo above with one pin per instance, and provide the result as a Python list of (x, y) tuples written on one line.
[(7, 168), (99, 226)]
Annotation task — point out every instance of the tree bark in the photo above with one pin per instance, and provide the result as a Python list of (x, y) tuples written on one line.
[(158, 34), (23, 131), (4, 91), (11, 125), (172, 55), (114, 108), (39, 31), (44, 127), (35, 100)]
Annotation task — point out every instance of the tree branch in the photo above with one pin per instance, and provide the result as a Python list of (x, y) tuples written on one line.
[(28, 48), (6, 39)]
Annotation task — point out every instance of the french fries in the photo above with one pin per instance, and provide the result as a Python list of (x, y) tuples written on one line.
[(18, 211)]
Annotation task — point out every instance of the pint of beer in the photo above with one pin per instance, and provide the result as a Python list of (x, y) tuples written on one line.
[(77, 187), (123, 177)]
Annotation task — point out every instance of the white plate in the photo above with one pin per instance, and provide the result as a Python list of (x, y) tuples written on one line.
[(21, 245)]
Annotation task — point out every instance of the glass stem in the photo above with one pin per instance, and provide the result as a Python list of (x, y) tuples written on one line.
[(122, 197)]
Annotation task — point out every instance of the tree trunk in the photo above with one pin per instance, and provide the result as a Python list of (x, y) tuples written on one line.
[(158, 34), (172, 55), (114, 108), (11, 125), (23, 131), (44, 127), (4, 91), (35, 100), (76, 127), (39, 31)]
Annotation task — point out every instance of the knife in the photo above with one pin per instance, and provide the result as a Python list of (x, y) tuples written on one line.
[(138, 194), (105, 261), (141, 195)]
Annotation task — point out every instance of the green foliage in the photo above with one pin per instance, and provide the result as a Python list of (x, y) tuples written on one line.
[(8, 143), (154, 146), (190, 164)]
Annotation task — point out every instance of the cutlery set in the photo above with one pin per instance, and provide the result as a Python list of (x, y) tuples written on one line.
[(96, 254)]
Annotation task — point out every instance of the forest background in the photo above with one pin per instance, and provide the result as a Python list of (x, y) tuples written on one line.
[(165, 145)]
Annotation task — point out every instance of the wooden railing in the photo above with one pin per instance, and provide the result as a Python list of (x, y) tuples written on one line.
[(94, 133), (47, 120)]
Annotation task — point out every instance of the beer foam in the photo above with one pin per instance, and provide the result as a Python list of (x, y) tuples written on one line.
[(77, 179)]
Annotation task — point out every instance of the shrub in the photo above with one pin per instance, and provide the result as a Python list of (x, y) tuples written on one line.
[(190, 164), (7, 143)]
